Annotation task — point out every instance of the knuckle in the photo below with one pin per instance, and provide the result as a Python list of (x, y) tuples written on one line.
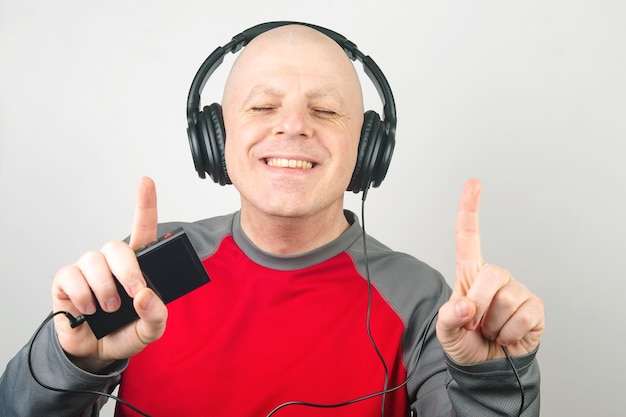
[(506, 299), (64, 273), (498, 275), (113, 246), (62, 281), (538, 303), (89, 257), (525, 319)]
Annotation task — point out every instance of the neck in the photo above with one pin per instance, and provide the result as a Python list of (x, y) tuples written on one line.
[(292, 235)]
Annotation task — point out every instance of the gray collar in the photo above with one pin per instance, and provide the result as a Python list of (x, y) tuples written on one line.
[(304, 260)]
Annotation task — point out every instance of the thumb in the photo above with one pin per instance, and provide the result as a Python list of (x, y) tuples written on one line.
[(152, 314), (456, 317)]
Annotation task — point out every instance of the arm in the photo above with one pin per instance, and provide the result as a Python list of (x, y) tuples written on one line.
[(74, 287), (73, 357), (21, 395)]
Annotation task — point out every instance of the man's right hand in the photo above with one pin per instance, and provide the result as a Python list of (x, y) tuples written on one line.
[(74, 287)]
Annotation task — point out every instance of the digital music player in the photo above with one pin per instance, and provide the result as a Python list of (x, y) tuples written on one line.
[(171, 269)]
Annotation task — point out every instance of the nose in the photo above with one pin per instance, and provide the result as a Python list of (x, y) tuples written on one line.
[(293, 122)]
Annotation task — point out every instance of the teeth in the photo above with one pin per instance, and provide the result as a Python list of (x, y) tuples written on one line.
[(289, 163)]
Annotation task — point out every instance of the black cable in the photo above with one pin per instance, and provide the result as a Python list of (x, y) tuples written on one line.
[(369, 304), (519, 380), (365, 397), (74, 322), (385, 389)]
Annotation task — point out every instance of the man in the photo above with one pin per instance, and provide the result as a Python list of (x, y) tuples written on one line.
[(290, 315)]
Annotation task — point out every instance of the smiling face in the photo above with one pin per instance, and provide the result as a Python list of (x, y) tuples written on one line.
[(293, 112)]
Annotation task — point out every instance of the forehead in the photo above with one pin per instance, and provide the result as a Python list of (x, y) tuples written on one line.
[(293, 52)]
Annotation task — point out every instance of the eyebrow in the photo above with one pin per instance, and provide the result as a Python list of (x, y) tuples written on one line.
[(262, 89)]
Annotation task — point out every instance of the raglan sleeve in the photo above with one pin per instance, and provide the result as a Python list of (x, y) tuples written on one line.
[(22, 396)]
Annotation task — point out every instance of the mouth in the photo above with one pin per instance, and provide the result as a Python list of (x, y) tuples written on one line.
[(289, 163)]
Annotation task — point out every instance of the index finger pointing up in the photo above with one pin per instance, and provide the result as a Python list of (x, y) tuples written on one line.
[(467, 229), (145, 222)]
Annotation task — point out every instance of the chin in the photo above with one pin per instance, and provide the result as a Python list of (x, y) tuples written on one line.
[(291, 203), (286, 208), (288, 211)]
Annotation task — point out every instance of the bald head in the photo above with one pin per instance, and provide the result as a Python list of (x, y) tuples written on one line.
[(294, 50), (293, 113)]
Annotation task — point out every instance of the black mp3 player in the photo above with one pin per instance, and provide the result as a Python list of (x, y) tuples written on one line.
[(171, 269)]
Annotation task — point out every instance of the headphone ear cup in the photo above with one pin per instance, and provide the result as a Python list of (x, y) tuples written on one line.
[(207, 135), (196, 143), (384, 151), (213, 134), (369, 142)]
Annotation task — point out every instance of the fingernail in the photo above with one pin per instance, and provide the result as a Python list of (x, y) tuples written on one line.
[(147, 301), (111, 304), (134, 287), (90, 308), (462, 309)]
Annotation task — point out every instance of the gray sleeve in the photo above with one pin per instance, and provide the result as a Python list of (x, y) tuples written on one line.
[(448, 389), (438, 387), (491, 388), (22, 396)]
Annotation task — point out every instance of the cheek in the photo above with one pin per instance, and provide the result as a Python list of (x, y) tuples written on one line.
[(238, 149), (351, 161), (345, 164), (351, 154), (230, 158), (230, 143)]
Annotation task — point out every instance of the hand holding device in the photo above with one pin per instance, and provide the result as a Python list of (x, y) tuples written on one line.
[(91, 282), (171, 269)]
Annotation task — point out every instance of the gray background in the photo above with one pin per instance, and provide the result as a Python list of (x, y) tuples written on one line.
[(528, 96)]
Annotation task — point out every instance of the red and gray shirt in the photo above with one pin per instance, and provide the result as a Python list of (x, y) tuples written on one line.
[(270, 330)]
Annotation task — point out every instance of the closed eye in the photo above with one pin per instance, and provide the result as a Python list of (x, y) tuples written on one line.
[(263, 108), (325, 113)]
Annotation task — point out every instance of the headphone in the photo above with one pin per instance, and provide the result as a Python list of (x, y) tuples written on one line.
[(207, 134)]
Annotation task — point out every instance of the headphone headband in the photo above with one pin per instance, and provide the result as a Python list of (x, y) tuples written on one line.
[(207, 134), (242, 39)]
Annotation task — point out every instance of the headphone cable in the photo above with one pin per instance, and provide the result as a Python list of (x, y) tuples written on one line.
[(74, 322), (385, 390), (369, 304)]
